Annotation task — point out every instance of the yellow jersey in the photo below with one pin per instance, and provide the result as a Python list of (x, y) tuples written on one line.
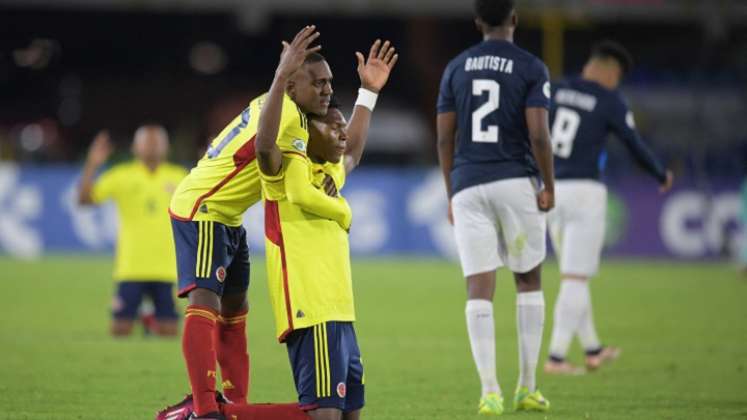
[(307, 249), (225, 182), (145, 244)]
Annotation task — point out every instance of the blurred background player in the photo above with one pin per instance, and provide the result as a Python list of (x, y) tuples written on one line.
[(584, 111), (141, 189), (493, 107)]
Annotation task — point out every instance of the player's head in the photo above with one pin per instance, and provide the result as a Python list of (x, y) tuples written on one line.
[(328, 135), (492, 15), (151, 144), (608, 64), (311, 86)]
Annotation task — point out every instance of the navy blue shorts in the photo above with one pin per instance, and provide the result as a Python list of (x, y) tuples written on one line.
[(211, 255), (130, 294), (327, 367)]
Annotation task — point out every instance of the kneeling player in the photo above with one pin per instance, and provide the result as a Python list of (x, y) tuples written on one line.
[(308, 256)]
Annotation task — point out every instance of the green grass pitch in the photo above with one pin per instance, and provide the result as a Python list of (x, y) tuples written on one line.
[(682, 328)]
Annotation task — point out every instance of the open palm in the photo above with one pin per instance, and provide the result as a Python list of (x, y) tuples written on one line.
[(375, 71)]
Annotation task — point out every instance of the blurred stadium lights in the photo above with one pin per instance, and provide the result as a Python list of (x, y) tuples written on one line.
[(37, 55), (207, 57)]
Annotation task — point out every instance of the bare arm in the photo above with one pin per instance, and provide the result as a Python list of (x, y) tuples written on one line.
[(98, 153), (374, 74), (301, 192), (446, 133), (539, 137), (269, 157)]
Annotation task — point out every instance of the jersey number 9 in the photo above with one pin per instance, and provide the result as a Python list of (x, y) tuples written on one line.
[(564, 130), (490, 134)]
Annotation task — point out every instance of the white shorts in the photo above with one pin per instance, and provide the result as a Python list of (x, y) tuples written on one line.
[(577, 225), (497, 224)]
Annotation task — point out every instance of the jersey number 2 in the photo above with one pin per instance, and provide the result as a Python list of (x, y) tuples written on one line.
[(564, 130), (490, 133)]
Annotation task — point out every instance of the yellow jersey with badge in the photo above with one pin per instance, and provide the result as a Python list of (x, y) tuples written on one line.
[(145, 244), (308, 256), (225, 182)]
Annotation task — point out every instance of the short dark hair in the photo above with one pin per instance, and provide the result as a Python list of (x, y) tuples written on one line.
[(494, 12), (607, 49), (314, 57)]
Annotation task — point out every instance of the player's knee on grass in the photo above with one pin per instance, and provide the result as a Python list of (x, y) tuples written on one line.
[(481, 286), (167, 328), (529, 281), (122, 327)]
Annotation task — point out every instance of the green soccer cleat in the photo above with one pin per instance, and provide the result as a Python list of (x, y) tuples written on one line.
[(491, 405), (530, 401)]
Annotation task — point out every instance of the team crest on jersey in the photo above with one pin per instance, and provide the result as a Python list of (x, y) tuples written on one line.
[(299, 145), (341, 390), (220, 273), (546, 89)]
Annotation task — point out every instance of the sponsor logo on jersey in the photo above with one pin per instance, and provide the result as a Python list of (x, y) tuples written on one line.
[(220, 273), (546, 89), (299, 145)]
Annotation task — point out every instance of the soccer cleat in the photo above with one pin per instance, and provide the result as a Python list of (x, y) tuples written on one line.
[(563, 368), (605, 356), (530, 401), (491, 405), (183, 409), (178, 411)]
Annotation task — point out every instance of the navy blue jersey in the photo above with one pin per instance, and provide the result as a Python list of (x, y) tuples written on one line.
[(489, 86), (582, 115)]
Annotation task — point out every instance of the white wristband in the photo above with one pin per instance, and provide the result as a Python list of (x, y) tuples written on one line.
[(366, 98)]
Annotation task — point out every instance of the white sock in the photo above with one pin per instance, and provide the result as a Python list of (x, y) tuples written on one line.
[(481, 328), (530, 319), (572, 304), (587, 332)]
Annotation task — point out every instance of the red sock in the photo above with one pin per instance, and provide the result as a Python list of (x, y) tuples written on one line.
[(230, 346), (288, 411), (199, 354)]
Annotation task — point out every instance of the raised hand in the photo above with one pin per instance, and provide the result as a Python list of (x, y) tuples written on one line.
[(374, 72), (295, 53), (100, 150)]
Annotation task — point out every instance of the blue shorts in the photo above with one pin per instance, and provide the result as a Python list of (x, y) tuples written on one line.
[(211, 255), (327, 367), (130, 294)]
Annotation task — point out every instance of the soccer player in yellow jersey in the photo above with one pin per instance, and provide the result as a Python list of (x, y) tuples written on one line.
[(308, 255), (212, 253), (141, 189)]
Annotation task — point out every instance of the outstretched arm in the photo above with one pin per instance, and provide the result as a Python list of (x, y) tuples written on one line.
[(269, 157), (301, 192), (446, 133), (98, 153), (539, 137), (374, 73), (624, 126)]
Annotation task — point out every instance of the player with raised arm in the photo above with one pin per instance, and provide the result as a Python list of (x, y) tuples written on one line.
[(308, 255), (493, 141), (207, 209), (141, 190), (584, 111)]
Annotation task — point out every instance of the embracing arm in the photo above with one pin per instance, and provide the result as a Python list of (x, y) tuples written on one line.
[(446, 134), (301, 192)]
